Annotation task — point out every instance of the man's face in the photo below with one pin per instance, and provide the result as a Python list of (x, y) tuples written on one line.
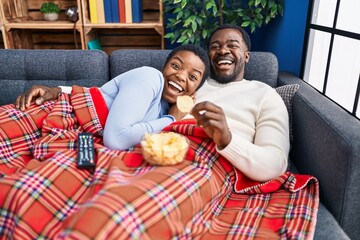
[(228, 54)]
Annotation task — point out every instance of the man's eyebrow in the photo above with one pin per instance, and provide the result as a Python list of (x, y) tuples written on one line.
[(227, 41), (233, 40)]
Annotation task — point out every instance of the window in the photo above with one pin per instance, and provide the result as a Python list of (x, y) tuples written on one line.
[(332, 60)]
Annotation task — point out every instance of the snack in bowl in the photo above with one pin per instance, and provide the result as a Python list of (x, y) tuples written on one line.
[(184, 103), (165, 148)]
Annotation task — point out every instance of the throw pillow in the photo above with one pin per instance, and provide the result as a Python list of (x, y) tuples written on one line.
[(287, 93)]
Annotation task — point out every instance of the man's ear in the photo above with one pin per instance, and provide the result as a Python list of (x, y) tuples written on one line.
[(247, 56)]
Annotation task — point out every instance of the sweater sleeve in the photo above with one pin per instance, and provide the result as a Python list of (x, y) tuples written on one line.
[(266, 156), (130, 96)]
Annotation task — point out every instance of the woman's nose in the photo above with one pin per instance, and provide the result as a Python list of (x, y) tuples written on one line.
[(181, 75)]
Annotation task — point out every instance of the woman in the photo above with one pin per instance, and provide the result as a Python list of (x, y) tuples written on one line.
[(140, 100)]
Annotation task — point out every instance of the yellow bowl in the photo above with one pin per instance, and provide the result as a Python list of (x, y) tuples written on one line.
[(165, 148)]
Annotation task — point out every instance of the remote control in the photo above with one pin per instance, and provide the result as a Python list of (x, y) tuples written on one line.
[(85, 156)]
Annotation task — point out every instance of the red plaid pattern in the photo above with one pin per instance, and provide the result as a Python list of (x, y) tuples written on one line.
[(47, 196)]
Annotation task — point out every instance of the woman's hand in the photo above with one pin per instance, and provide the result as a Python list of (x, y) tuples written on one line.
[(37, 93)]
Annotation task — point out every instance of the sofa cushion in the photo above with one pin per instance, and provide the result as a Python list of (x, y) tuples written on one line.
[(22, 68), (263, 66), (287, 93)]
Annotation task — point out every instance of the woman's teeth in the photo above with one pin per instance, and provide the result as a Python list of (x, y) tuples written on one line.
[(175, 85)]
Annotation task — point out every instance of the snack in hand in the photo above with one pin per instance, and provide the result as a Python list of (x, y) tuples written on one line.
[(165, 148), (185, 103)]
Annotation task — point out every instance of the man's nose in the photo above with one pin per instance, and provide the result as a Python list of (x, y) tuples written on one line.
[(223, 50)]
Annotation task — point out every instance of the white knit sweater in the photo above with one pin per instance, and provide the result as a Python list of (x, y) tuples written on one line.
[(258, 121)]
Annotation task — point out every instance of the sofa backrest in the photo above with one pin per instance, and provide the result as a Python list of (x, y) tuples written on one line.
[(263, 66), (20, 69)]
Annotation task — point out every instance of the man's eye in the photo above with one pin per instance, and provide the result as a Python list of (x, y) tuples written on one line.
[(233, 46), (214, 47)]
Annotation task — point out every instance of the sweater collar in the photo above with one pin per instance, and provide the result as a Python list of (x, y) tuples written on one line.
[(214, 83)]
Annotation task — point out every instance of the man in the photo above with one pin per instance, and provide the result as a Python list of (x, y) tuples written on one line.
[(247, 120)]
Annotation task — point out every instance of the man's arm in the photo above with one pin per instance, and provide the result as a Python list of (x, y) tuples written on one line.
[(37, 93), (261, 159)]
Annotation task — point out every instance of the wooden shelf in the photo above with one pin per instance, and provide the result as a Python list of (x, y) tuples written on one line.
[(42, 25), (2, 42), (158, 27), (22, 26), (148, 34)]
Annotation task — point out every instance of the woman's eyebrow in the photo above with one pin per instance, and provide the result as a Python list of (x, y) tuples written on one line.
[(182, 61)]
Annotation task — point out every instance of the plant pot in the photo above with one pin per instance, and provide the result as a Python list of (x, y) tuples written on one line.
[(51, 16)]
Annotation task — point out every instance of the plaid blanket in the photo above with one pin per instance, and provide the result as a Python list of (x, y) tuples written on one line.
[(43, 195)]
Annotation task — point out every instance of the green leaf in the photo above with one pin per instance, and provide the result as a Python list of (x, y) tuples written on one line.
[(204, 33), (194, 26), (280, 9), (267, 19), (252, 27), (258, 21), (181, 39), (169, 35), (179, 15), (263, 3), (274, 9), (245, 24), (177, 1), (271, 3), (257, 2), (187, 22), (183, 3)]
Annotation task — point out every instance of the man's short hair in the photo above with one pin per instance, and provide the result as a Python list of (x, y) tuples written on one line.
[(244, 33)]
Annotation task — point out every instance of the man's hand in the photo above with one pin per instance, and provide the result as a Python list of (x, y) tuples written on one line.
[(37, 93), (213, 121)]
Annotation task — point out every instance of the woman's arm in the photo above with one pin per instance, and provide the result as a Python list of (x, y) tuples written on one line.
[(133, 99)]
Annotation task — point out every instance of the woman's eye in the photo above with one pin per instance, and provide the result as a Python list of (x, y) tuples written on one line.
[(193, 77), (175, 66)]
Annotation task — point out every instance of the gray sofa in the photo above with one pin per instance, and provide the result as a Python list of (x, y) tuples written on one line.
[(326, 138)]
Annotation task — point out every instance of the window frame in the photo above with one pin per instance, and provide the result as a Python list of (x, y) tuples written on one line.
[(332, 31)]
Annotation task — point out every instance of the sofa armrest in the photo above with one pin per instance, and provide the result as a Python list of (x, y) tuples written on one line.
[(327, 145)]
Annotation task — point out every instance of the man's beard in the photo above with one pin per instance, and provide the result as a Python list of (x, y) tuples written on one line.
[(227, 78)]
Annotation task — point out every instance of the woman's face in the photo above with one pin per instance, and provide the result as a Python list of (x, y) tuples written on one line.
[(182, 74)]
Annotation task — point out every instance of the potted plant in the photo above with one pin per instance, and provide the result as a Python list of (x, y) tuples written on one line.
[(50, 10), (192, 21)]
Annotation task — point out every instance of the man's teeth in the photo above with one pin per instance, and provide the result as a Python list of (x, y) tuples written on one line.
[(224, 62), (175, 85)]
